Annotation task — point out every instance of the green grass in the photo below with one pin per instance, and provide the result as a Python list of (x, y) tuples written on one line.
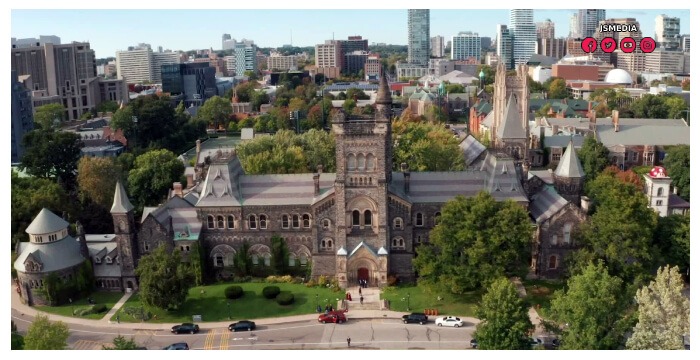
[(540, 293), (450, 304), (252, 305), (101, 297)]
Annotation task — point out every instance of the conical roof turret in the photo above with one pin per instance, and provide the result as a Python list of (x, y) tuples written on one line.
[(384, 93)]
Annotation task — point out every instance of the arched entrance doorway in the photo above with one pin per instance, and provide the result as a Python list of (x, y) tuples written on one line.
[(130, 285), (363, 274)]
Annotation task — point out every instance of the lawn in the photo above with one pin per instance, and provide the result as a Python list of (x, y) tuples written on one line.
[(449, 304), (212, 304), (101, 297), (539, 294)]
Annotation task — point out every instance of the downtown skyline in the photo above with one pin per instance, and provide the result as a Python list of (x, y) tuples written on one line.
[(111, 30)]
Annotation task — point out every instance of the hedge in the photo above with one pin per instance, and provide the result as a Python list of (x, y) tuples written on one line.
[(233, 292), (285, 298), (271, 292)]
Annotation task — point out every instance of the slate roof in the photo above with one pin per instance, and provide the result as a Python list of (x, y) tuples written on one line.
[(471, 148), (512, 127), (285, 189), (121, 203), (563, 141), (180, 216), (488, 120), (103, 269), (546, 203), (46, 222), (545, 175), (53, 256), (220, 185), (643, 132), (569, 165), (677, 202)]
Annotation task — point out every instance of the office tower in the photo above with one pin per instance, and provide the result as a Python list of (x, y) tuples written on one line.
[(504, 46), (437, 46), (524, 35), (418, 37), (354, 43), (43, 39), (545, 29), (588, 20), (466, 45), (22, 118), (685, 43), (224, 38), (553, 47), (668, 31), (246, 57), (574, 27), (329, 58), (195, 82)]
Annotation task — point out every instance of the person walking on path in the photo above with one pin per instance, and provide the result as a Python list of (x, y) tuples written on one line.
[(348, 341), (360, 290), (117, 319), (362, 299)]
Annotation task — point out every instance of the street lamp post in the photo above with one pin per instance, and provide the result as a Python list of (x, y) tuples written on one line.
[(408, 302), (72, 311), (228, 306)]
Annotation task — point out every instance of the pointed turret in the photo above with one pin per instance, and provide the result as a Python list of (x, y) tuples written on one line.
[(569, 165), (383, 94), (46, 222), (121, 203)]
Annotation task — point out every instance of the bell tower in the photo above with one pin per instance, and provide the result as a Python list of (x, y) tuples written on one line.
[(125, 230)]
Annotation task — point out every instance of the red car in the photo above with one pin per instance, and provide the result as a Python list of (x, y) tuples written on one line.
[(333, 317)]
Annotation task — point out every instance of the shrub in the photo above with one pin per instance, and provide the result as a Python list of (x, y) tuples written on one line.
[(322, 280), (391, 280), (310, 283), (271, 279), (137, 312), (271, 292), (285, 298), (233, 292), (98, 308)]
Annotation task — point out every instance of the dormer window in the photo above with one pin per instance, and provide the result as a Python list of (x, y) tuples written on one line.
[(108, 260), (97, 260)]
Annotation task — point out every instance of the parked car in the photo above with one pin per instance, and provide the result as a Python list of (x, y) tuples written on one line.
[(556, 343), (449, 321), (415, 318), (243, 325), (332, 317), (185, 328), (177, 346), (536, 342), (473, 343)]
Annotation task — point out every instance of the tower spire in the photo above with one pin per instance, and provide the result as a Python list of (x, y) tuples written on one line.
[(383, 94), (121, 203)]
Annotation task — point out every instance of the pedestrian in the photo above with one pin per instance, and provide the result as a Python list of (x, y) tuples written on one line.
[(117, 319), (360, 291), (348, 341), (362, 299)]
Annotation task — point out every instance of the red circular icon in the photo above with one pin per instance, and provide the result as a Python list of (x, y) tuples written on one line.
[(627, 45), (588, 45), (647, 45), (608, 45)]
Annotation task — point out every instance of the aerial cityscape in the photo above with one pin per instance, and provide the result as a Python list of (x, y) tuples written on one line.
[(516, 182)]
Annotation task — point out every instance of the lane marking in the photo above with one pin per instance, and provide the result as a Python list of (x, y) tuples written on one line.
[(223, 345)]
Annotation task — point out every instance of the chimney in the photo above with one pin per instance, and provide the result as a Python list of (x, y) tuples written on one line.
[(526, 169), (585, 204), (616, 120), (177, 189), (591, 116), (555, 129), (190, 180), (675, 190), (406, 178), (317, 177)]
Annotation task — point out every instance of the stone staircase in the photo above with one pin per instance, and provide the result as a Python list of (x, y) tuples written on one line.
[(371, 299)]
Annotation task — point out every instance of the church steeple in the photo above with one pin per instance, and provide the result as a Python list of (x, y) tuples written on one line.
[(125, 231), (384, 93), (569, 175), (121, 203)]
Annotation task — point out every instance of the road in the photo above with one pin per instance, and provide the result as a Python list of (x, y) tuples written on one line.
[(373, 334)]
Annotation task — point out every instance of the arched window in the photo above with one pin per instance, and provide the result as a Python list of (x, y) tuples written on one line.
[(326, 224), (555, 239), (327, 244), (323, 244), (437, 218), (295, 221), (419, 219), (252, 224), (302, 260), (398, 223), (660, 192), (228, 260), (254, 259), (219, 260), (360, 162), (306, 221), (553, 262), (419, 239), (355, 218), (567, 233), (397, 243), (263, 221), (231, 222), (210, 222), (292, 260), (285, 221), (220, 222), (368, 217), (371, 160), (352, 162), (266, 259)]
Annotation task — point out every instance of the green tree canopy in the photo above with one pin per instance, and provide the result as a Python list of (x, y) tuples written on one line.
[(477, 240), (28, 196), (593, 309), (672, 239), (505, 323), (97, 178), (664, 313), (425, 147), (107, 106), (349, 105), (557, 89), (153, 174), (677, 163), (455, 89), (52, 155), (215, 111), (17, 342), (46, 335), (121, 343), (594, 157), (280, 255), (356, 94), (164, 279), (288, 153), (244, 91), (650, 107), (676, 107), (49, 116)]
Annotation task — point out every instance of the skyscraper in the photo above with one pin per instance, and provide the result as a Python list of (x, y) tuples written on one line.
[(588, 20), (246, 59), (437, 46), (668, 31), (22, 118), (573, 26), (524, 35), (504, 45), (418, 37), (466, 45), (545, 29)]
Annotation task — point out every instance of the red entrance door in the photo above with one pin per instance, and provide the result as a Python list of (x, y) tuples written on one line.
[(363, 274)]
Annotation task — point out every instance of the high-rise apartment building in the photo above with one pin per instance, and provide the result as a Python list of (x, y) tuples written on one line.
[(668, 30), (552, 47), (22, 118), (504, 46), (574, 27), (43, 39), (524, 35), (418, 37), (545, 29), (685, 43), (230, 63), (329, 58), (141, 64), (466, 45), (437, 46), (588, 20), (277, 61), (663, 61), (246, 57)]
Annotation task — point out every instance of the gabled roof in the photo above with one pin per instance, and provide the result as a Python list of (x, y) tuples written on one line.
[(121, 203), (546, 203), (53, 256), (471, 148), (512, 127), (360, 246), (46, 222), (569, 165), (488, 120)]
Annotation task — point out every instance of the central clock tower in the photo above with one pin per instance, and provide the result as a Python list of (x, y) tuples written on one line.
[(125, 230)]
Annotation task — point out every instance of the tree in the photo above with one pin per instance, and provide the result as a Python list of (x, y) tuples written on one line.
[(557, 89), (505, 323), (282, 153), (124, 119), (534, 86), (164, 279), (51, 154), (544, 110), (28, 196), (676, 107), (97, 178), (436, 114), (46, 335), (215, 111), (356, 94), (297, 104), (664, 313), (349, 105), (477, 240), (594, 309), (121, 343), (455, 89), (319, 149), (650, 107), (243, 262), (17, 342), (107, 106), (197, 263), (672, 239), (628, 176), (153, 174), (677, 162), (252, 75), (594, 157), (425, 146), (489, 74), (258, 98), (280, 255), (49, 116)]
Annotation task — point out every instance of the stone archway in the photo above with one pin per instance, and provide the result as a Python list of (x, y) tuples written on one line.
[(362, 268)]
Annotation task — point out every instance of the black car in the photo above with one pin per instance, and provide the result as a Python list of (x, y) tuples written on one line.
[(177, 346), (243, 325), (473, 343), (185, 328), (556, 343), (415, 318)]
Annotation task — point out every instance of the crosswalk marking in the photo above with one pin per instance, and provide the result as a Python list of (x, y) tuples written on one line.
[(223, 345), (87, 345), (209, 341)]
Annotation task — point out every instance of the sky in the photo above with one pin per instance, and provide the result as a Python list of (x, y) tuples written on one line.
[(188, 29)]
